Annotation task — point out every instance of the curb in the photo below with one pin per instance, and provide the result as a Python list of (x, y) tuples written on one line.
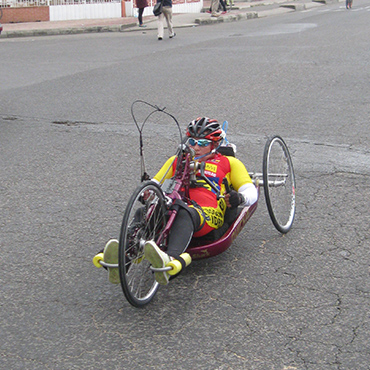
[(68, 31), (224, 19)]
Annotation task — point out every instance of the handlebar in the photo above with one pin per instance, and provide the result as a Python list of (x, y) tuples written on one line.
[(226, 184), (185, 155)]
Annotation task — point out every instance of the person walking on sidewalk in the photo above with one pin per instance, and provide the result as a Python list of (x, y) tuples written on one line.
[(215, 4), (230, 3), (222, 5), (166, 13), (349, 4), (141, 4)]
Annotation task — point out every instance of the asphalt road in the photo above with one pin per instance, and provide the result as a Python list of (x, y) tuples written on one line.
[(69, 161)]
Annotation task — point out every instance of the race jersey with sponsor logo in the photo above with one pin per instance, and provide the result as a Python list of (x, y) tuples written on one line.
[(216, 169)]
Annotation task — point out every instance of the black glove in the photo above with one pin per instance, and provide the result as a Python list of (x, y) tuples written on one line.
[(235, 198)]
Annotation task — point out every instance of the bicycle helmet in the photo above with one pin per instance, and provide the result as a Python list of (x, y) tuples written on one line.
[(205, 128)]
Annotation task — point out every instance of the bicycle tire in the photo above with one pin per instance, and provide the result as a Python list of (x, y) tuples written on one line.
[(143, 220), (279, 183)]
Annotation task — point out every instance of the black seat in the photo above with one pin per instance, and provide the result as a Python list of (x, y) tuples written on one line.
[(231, 215)]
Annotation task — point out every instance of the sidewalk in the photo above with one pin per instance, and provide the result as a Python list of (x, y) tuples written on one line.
[(241, 10)]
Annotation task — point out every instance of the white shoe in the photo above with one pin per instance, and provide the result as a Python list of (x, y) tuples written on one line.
[(111, 256), (158, 259)]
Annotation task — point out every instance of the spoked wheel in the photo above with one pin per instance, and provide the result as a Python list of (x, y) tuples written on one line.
[(279, 183), (144, 219)]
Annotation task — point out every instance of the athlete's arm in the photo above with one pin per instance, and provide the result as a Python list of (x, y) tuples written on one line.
[(166, 172), (242, 182), (249, 193)]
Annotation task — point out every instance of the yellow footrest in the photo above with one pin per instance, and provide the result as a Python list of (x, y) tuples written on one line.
[(96, 260)]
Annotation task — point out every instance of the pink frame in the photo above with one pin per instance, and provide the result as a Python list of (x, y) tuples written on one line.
[(200, 249)]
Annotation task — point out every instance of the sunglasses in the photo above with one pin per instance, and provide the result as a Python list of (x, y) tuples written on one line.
[(200, 142)]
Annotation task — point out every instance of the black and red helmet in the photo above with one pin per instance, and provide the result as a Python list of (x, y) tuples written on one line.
[(205, 128)]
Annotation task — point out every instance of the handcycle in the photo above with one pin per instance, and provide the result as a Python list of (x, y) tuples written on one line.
[(149, 216)]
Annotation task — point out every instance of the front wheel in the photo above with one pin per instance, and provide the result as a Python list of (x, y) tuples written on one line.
[(144, 219), (279, 183)]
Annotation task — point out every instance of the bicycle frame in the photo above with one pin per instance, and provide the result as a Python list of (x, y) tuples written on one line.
[(199, 248), (177, 188)]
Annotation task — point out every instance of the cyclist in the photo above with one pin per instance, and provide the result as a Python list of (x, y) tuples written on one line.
[(202, 213)]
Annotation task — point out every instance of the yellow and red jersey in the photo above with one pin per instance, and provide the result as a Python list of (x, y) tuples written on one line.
[(216, 169)]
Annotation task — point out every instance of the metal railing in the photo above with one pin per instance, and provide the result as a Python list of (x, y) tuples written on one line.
[(24, 3)]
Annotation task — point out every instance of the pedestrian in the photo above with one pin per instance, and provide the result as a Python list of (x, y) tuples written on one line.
[(230, 3), (166, 13), (348, 4), (141, 4), (222, 6), (215, 4)]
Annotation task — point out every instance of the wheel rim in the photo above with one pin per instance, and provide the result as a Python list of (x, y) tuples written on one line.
[(279, 184), (143, 220)]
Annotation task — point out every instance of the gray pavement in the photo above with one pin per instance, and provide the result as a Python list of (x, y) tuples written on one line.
[(69, 162), (241, 11)]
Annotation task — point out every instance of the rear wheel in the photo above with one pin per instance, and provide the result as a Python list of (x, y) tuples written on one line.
[(144, 219), (279, 183)]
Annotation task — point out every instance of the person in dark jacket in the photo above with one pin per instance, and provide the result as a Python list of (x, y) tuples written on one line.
[(141, 4), (166, 13)]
